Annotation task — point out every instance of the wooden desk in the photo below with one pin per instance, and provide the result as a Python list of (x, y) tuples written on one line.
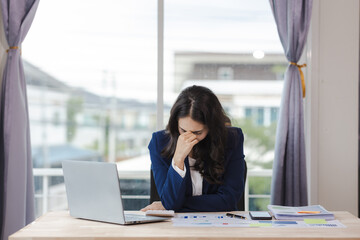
[(60, 225)]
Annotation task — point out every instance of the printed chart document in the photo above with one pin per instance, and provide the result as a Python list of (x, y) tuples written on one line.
[(221, 220), (300, 213)]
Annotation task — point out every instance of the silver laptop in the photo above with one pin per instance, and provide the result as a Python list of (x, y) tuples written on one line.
[(93, 192)]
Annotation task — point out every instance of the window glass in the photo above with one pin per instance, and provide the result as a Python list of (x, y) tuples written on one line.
[(274, 114), (260, 117), (231, 47), (91, 81), (90, 68)]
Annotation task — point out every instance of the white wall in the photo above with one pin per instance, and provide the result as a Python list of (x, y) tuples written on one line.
[(332, 105)]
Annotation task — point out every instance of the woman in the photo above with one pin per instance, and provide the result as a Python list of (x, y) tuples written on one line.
[(197, 162)]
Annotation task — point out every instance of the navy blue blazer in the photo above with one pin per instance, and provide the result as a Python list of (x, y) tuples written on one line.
[(176, 192)]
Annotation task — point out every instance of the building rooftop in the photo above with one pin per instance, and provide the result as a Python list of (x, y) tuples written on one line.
[(243, 87)]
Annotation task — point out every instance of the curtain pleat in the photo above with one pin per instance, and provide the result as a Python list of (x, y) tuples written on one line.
[(17, 183), (289, 183)]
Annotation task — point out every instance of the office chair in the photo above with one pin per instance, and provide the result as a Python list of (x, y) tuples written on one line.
[(154, 196), (241, 203)]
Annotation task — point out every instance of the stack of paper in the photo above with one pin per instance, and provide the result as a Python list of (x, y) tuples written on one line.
[(300, 213)]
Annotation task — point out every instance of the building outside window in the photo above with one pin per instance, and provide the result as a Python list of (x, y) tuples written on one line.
[(225, 73)]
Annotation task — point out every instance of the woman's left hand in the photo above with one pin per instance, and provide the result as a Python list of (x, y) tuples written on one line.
[(157, 205)]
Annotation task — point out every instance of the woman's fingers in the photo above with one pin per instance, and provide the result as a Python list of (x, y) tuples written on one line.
[(188, 137), (185, 143), (191, 138), (157, 205), (194, 142)]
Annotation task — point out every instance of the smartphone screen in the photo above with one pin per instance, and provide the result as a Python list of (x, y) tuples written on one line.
[(260, 215)]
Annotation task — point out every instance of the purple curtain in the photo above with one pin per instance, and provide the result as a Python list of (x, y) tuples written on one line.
[(16, 183), (289, 184)]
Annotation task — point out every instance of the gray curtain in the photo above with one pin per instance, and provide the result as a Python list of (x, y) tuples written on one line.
[(17, 183), (289, 184)]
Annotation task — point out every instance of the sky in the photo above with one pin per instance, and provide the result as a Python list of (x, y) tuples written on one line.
[(110, 46)]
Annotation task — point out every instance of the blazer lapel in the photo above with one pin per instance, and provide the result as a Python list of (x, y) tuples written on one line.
[(205, 187)]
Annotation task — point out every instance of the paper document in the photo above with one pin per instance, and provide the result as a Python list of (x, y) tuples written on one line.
[(221, 220), (300, 213)]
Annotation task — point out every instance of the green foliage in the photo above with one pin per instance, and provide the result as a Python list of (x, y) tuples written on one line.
[(260, 139), (105, 130), (94, 145), (259, 185), (97, 118), (74, 105), (258, 204), (278, 68)]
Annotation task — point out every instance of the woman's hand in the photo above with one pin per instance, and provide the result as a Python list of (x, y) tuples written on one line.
[(185, 143), (157, 205)]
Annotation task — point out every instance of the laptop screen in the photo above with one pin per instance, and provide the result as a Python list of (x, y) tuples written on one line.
[(93, 191)]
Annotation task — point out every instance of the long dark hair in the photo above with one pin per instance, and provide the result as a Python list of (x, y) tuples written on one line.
[(202, 105)]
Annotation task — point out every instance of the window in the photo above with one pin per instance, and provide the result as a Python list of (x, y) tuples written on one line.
[(260, 117), (248, 112), (92, 83), (225, 73), (231, 47), (91, 89), (274, 114)]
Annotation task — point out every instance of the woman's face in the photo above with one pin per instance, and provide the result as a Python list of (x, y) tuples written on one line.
[(187, 124)]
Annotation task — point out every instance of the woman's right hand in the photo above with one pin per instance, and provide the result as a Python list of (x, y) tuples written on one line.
[(157, 205), (185, 143)]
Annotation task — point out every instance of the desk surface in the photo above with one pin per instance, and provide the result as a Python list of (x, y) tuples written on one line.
[(60, 225)]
